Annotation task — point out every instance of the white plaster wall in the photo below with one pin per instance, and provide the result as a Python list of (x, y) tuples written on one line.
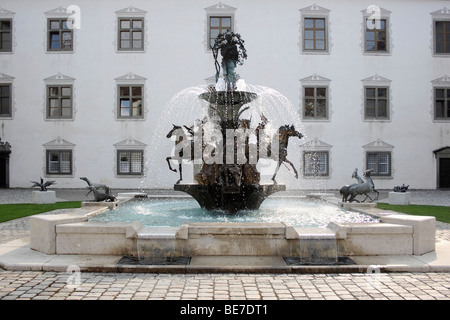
[(175, 59)]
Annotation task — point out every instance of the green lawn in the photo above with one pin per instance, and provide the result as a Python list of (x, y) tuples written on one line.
[(440, 212), (16, 211)]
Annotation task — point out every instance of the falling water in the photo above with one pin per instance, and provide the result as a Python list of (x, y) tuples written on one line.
[(186, 108)]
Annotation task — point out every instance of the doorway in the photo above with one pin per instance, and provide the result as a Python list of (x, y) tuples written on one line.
[(443, 167), (5, 150), (444, 173)]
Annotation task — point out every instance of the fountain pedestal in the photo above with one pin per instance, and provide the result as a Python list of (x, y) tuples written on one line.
[(230, 198)]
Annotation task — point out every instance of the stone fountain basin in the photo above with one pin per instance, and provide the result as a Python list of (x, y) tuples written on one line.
[(71, 233)]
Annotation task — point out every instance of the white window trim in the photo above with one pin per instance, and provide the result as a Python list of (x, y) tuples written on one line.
[(5, 79), (130, 12), (59, 80), (59, 13), (315, 81), (59, 144), (9, 15), (379, 146), (375, 11), (376, 81), (129, 145), (438, 15), (316, 145), (315, 11), (220, 10), (130, 79), (439, 83)]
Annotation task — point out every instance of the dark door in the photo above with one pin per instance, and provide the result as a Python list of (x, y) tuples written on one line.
[(444, 173), (4, 183)]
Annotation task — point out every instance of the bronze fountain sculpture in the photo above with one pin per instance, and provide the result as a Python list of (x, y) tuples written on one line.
[(228, 178)]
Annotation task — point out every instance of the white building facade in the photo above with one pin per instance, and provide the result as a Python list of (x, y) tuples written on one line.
[(85, 86)]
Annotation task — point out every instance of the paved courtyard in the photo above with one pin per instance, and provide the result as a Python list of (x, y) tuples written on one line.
[(112, 286), (74, 285)]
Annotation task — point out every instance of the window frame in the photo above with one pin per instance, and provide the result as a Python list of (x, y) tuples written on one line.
[(2, 32), (317, 173), (435, 33), (131, 97), (59, 152), (375, 31), (315, 30), (315, 98), (376, 98), (220, 29), (375, 172), (9, 97), (61, 30), (132, 30), (445, 99), (129, 153), (59, 98)]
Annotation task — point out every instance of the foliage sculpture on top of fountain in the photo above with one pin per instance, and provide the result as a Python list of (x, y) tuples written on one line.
[(228, 178), (233, 52)]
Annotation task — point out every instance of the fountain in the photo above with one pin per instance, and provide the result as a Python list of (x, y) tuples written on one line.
[(228, 178), (225, 148)]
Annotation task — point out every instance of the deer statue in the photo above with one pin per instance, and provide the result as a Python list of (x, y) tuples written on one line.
[(363, 188)]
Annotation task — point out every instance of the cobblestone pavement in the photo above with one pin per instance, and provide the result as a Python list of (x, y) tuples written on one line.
[(113, 286), (39, 285)]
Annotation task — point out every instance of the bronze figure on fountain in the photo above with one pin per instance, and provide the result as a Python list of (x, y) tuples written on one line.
[(228, 178)]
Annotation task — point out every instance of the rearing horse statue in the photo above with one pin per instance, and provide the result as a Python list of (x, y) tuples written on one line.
[(282, 135), (181, 137)]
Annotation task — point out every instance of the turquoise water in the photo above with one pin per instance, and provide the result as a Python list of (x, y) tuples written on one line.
[(173, 212)]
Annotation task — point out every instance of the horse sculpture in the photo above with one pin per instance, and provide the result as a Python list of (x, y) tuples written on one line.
[(363, 188), (282, 135), (181, 137)]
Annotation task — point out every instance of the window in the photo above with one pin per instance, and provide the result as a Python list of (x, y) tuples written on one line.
[(315, 102), (5, 100), (316, 163), (59, 162), (59, 101), (60, 36), (442, 36), (131, 34), (314, 34), (130, 101), (130, 162), (314, 30), (380, 162), (316, 98), (442, 103), (376, 31), (218, 25), (219, 19), (5, 35), (376, 103), (376, 36)]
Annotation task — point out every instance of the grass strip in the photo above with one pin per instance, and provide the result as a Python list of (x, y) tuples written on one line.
[(441, 213), (15, 211)]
